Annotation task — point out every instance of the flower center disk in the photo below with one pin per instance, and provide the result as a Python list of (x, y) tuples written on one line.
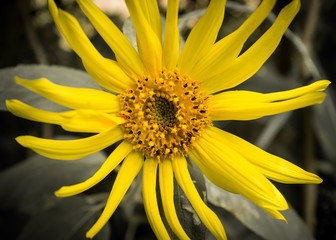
[(164, 115)]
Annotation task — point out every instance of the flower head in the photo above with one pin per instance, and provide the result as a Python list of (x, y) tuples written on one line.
[(163, 106)]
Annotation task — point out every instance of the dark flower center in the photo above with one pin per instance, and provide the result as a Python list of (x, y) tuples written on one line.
[(164, 115)]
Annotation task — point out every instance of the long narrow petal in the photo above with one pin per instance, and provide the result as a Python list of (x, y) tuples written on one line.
[(150, 200), (207, 216), (236, 171), (218, 179), (116, 79), (171, 42), (71, 149), (167, 196), (245, 105), (317, 86), (110, 163), (151, 11), (100, 76), (271, 166), (125, 53), (103, 77), (224, 52), (248, 63), (249, 111), (213, 177), (84, 120), (149, 45), (202, 36), (75, 98), (128, 171), (89, 121)]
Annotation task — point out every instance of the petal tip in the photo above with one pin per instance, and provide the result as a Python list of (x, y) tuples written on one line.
[(22, 140), (59, 193), (18, 80), (317, 179), (326, 83), (9, 103), (90, 234)]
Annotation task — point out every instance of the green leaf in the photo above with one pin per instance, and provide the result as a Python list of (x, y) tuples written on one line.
[(57, 74)]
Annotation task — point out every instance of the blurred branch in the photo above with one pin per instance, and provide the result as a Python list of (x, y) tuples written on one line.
[(270, 131), (38, 50), (310, 191), (34, 42)]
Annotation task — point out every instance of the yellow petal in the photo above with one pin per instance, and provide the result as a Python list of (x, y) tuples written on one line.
[(245, 105), (202, 36), (149, 198), (235, 170), (215, 178), (71, 149), (115, 78), (128, 171), (219, 181), (89, 121), (101, 77), (171, 42), (23, 110), (317, 86), (207, 216), (167, 196), (149, 45), (248, 63), (110, 163), (125, 53), (228, 48), (84, 120), (271, 166), (76, 98), (276, 214), (150, 10), (249, 111)]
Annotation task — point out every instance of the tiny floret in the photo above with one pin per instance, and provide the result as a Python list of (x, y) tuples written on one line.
[(172, 106)]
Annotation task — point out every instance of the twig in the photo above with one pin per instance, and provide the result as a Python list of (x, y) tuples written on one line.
[(33, 40), (309, 191), (40, 55)]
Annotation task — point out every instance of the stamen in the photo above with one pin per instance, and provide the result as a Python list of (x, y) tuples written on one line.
[(164, 115)]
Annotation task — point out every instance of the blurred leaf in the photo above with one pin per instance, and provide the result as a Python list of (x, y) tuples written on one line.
[(186, 21), (129, 32), (256, 219), (233, 227), (57, 74), (28, 184), (68, 218)]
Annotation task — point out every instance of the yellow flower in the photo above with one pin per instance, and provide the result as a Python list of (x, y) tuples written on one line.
[(163, 107)]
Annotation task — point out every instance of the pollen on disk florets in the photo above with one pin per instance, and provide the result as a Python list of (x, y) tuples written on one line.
[(164, 115)]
